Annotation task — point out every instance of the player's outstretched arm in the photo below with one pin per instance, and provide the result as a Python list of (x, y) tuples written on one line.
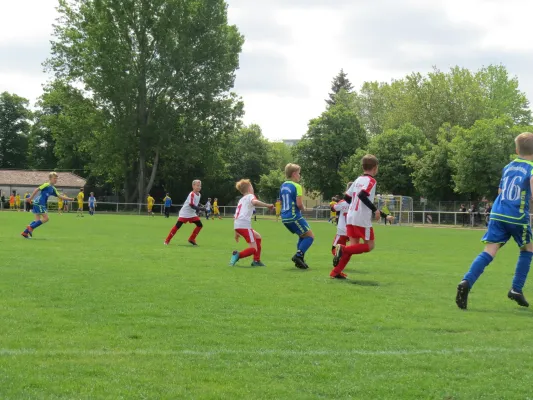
[(258, 203)]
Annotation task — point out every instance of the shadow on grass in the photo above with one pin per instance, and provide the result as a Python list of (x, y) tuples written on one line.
[(363, 283)]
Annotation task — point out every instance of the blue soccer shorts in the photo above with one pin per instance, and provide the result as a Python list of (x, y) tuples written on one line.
[(37, 209), (501, 232), (298, 227)]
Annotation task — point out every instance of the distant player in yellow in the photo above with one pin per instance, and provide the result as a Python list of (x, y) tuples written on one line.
[(17, 202), (278, 209), (333, 213), (60, 205), (216, 210), (150, 200), (80, 197)]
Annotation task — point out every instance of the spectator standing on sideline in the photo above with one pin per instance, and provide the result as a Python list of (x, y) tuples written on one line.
[(462, 210), (168, 204), (488, 210)]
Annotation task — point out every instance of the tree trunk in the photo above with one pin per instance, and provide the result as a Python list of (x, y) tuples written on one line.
[(140, 182), (154, 171)]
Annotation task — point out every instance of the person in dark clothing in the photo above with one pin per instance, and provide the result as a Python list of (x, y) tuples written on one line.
[(488, 210)]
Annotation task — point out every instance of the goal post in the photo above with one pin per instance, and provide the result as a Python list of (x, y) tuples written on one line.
[(401, 207)]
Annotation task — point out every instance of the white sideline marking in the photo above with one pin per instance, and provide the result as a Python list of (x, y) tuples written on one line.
[(208, 353)]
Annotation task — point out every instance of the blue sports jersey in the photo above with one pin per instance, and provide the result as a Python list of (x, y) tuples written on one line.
[(46, 190), (289, 191), (512, 204), (168, 201), (92, 199)]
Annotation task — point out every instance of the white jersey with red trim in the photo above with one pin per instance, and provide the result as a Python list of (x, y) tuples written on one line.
[(244, 213), (359, 214), (342, 208), (187, 211)]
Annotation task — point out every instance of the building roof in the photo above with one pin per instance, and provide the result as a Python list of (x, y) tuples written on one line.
[(37, 178)]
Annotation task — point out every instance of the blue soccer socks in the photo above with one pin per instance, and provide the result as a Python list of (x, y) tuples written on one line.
[(477, 268), (522, 269)]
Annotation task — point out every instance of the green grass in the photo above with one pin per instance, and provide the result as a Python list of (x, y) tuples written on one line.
[(99, 308)]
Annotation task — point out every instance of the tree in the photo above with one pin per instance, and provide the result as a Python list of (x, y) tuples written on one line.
[(432, 173), (329, 142), (340, 82), (14, 129), (280, 154), (41, 146), (149, 65), (270, 183), (394, 149), (479, 155)]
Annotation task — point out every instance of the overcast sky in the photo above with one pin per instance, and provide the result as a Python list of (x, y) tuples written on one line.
[(294, 47)]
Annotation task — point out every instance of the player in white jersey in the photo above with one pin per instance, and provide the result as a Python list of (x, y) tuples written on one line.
[(208, 208), (341, 208), (189, 214), (243, 224), (359, 219)]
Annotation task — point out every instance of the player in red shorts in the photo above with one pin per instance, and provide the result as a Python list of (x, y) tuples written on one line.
[(359, 218), (341, 208), (243, 224), (188, 214)]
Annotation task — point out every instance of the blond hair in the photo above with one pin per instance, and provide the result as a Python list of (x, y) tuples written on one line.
[(196, 181), (369, 162), (524, 144), (291, 169), (243, 185), (52, 174)]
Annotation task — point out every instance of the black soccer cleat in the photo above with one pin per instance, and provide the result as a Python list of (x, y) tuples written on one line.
[(193, 242), (462, 295), (338, 255), (518, 296), (299, 262)]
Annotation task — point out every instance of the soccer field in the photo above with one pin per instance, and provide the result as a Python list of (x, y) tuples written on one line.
[(97, 307)]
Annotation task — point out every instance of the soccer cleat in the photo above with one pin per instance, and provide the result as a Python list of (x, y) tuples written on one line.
[(29, 230), (340, 276), (462, 295), (25, 235), (193, 242), (258, 264), (165, 243), (299, 262), (518, 296), (234, 258), (338, 255)]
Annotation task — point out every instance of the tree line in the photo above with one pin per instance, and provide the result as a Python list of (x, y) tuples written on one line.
[(141, 100)]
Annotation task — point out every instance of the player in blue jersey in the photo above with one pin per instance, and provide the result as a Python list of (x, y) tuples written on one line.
[(509, 218), (40, 204), (291, 213), (92, 204)]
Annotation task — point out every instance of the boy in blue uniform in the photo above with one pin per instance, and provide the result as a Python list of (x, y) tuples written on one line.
[(509, 218), (291, 213), (92, 204), (40, 204), (168, 204)]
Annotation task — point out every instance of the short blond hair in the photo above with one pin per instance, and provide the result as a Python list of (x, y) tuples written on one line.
[(369, 162), (524, 144), (196, 181), (291, 169), (52, 174), (243, 185)]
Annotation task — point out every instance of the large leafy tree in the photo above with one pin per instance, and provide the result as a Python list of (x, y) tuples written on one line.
[(154, 68), (395, 149), (479, 154), (329, 142), (270, 184), (14, 130)]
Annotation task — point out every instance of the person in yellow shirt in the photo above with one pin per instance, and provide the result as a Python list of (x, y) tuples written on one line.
[(12, 201), (80, 197), (216, 210), (60, 205), (150, 201), (17, 201), (333, 213), (278, 209)]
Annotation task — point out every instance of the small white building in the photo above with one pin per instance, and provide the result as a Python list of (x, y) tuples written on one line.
[(23, 182)]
